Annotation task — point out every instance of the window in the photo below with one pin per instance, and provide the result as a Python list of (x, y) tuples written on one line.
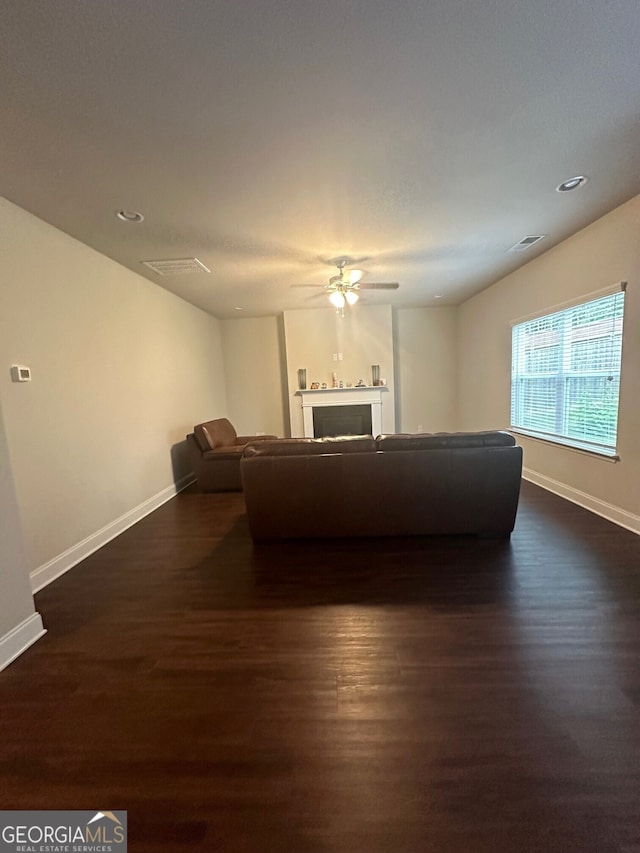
[(565, 374)]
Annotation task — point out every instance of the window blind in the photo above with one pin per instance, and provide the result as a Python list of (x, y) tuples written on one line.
[(565, 374)]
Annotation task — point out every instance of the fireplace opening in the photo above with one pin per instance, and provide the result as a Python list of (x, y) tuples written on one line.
[(341, 420)]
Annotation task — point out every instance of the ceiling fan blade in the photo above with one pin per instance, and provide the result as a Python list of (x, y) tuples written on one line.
[(378, 285), (309, 285)]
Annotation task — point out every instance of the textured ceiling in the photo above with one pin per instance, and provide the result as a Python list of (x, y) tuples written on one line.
[(265, 137)]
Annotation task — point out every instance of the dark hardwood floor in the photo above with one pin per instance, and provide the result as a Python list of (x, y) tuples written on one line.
[(379, 696)]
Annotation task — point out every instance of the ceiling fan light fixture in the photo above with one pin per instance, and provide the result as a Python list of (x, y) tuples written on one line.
[(344, 288)]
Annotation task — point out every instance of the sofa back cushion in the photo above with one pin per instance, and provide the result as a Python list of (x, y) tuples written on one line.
[(312, 446), (217, 433), (445, 440)]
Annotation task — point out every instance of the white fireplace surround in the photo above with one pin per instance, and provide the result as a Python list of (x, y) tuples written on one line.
[(342, 397)]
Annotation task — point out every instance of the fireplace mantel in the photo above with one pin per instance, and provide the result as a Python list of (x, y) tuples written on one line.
[(363, 395)]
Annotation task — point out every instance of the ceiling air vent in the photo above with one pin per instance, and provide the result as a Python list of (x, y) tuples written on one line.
[(526, 242), (176, 266)]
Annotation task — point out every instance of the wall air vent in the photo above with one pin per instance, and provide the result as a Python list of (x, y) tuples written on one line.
[(526, 242), (176, 266)]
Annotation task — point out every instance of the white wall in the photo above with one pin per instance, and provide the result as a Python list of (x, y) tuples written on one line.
[(254, 372), (606, 252), (122, 370), (424, 355), (262, 356), (364, 336), (426, 369), (20, 625)]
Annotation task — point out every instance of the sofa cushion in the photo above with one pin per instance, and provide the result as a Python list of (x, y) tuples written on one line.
[(442, 440), (216, 433), (223, 453), (245, 439), (312, 446)]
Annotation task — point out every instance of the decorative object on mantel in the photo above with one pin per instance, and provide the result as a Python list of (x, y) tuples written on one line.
[(302, 379), (342, 388), (334, 380), (375, 375)]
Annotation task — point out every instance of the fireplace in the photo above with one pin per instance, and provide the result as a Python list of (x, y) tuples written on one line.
[(358, 411), (342, 420)]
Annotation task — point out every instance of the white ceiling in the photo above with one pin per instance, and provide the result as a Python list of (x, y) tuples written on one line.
[(265, 137)]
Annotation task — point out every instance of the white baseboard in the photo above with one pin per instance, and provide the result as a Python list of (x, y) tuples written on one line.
[(18, 639), (51, 570), (612, 513)]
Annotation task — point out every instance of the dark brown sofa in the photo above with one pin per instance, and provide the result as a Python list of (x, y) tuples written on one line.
[(215, 451), (395, 485)]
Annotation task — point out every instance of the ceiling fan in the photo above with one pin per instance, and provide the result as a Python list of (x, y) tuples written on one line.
[(343, 288)]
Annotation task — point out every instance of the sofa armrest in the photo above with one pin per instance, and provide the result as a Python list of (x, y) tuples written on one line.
[(245, 439)]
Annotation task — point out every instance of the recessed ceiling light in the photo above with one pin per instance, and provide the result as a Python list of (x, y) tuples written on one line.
[(438, 295), (238, 308), (572, 184), (129, 216)]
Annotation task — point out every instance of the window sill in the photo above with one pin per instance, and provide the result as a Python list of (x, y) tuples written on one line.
[(569, 444)]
